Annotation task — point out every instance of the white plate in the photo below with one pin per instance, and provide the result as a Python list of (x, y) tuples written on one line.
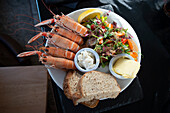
[(58, 75)]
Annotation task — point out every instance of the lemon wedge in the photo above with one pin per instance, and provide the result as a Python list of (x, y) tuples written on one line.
[(91, 13)]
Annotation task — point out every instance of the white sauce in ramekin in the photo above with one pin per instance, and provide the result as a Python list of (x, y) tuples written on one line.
[(86, 60)]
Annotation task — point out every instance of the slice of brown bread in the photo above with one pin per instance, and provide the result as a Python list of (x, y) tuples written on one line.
[(96, 85), (70, 83), (70, 87)]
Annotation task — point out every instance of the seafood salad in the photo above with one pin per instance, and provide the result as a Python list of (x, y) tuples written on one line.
[(83, 42), (107, 39)]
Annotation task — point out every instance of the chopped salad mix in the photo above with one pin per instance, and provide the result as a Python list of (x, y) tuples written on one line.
[(107, 39)]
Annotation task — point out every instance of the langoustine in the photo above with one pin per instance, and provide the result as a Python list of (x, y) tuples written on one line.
[(57, 40), (58, 52), (68, 34), (56, 62), (66, 22)]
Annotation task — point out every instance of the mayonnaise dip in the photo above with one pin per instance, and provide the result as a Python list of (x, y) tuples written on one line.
[(86, 60)]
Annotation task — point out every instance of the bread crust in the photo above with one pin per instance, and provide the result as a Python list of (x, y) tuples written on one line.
[(91, 105), (66, 87)]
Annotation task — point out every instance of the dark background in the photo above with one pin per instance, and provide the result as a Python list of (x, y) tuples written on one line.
[(147, 17)]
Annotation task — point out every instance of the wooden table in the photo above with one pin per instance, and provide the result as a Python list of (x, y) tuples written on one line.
[(23, 89)]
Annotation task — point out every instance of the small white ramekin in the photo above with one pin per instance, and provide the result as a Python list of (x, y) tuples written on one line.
[(113, 61), (97, 59)]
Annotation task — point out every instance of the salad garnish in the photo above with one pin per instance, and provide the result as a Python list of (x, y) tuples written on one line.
[(107, 39)]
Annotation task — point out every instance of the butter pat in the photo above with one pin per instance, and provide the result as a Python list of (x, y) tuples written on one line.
[(126, 67)]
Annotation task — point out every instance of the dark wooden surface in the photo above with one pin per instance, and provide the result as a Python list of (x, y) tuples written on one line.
[(23, 89)]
